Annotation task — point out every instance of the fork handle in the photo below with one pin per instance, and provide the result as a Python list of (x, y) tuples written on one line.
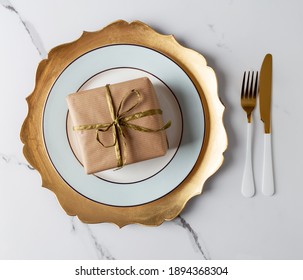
[(248, 184), (268, 186)]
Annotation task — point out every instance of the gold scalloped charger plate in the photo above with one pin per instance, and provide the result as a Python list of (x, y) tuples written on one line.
[(149, 192)]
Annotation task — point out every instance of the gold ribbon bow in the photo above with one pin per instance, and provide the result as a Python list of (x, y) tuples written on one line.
[(119, 120)]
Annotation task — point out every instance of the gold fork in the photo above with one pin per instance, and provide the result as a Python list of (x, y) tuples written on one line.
[(248, 103)]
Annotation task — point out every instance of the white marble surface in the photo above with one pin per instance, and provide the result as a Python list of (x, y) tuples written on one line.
[(234, 36)]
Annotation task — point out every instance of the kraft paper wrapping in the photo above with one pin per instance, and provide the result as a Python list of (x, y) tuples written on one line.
[(91, 107)]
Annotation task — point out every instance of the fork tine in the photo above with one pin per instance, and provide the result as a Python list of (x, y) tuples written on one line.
[(247, 85), (243, 85), (251, 89), (256, 86)]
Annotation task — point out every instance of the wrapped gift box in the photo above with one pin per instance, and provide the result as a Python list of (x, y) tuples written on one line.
[(118, 124)]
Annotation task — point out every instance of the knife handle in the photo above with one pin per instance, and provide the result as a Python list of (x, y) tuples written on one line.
[(268, 186), (248, 184)]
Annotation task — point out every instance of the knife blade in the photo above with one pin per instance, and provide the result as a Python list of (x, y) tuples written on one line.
[(265, 93), (265, 90)]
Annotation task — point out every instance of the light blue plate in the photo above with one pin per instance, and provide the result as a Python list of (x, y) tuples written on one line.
[(113, 192)]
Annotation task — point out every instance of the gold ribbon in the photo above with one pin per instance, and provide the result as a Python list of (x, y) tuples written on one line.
[(121, 119)]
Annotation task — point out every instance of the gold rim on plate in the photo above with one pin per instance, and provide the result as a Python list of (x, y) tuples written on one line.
[(209, 159)]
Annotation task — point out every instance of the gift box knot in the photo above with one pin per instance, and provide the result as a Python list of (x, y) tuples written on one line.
[(121, 118)]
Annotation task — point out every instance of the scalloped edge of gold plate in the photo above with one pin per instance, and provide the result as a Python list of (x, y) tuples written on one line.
[(209, 159)]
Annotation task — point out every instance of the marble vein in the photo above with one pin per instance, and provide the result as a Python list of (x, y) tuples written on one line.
[(184, 224), (223, 46), (37, 42), (103, 252), (220, 43), (14, 160), (211, 27), (72, 220)]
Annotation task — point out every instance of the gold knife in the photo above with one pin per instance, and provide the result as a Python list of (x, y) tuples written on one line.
[(265, 91)]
